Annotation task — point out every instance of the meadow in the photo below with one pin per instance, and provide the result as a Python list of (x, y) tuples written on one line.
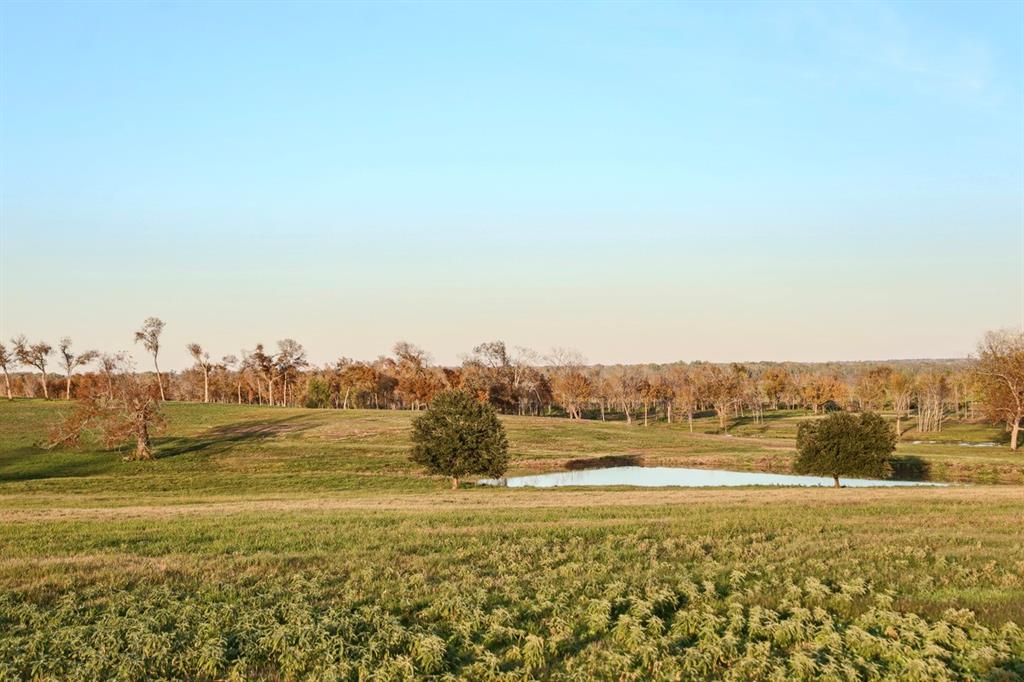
[(283, 544)]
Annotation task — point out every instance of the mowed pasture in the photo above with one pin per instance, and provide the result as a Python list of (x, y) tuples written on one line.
[(299, 544)]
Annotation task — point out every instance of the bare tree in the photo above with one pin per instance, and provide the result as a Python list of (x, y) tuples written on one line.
[(871, 387), (7, 361), (70, 362), (719, 387), (417, 384), (131, 415), (263, 365), (569, 384), (291, 358), (777, 384), (628, 387), (149, 335), (357, 379), (900, 391), (202, 359), (1000, 372), (932, 389), (231, 363), (109, 365), (35, 355), (601, 389), (661, 391), (684, 391)]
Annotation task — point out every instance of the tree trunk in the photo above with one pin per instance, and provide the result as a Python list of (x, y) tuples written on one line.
[(67, 387), (629, 417), (239, 386), (159, 380), (899, 431), (46, 391), (1014, 432), (836, 479), (602, 408), (689, 418), (668, 413), (206, 385), (455, 482), (143, 450), (7, 383), (645, 414)]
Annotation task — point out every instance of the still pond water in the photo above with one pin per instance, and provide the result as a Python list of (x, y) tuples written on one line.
[(656, 477)]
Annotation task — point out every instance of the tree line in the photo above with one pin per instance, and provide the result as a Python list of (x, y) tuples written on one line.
[(989, 385)]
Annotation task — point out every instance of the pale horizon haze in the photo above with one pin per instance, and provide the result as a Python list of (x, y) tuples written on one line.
[(643, 182)]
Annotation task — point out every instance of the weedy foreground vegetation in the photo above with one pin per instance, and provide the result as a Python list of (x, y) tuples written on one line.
[(294, 544)]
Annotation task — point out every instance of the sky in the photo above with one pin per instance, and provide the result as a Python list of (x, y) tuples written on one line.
[(643, 182)]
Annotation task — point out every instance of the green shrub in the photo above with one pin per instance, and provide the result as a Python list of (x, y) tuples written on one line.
[(459, 435), (319, 393), (844, 444)]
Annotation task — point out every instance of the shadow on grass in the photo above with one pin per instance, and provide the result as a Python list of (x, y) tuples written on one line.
[(604, 462), (31, 463), (36, 463), (223, 438), (911, 468)]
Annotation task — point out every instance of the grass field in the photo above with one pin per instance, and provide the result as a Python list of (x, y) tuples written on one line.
[(295, 544)]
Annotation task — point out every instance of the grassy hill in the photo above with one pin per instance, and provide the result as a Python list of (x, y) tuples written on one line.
[(296, 544)]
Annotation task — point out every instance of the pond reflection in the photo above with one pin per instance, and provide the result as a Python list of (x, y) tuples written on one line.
[(656, 477)]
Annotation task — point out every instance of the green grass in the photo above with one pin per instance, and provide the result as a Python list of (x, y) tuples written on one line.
[(294, 544)]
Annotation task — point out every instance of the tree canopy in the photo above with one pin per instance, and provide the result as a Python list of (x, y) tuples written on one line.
[(1000, 374), (844, 444), (458, 435)]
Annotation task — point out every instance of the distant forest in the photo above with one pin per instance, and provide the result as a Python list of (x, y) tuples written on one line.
[(520, 381)]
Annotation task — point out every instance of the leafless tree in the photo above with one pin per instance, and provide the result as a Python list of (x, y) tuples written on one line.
[(416, 383), (149, 335), (7, 361), (35, 355), (684, 391), (900, 391), (628, 386), (871, 387), (263, 365), (203, 362), (570, 385), (601, 389), (1000, 371), (932, 389), (70, 362), (131, 415), (109, 364), (291, 358), (660, 391), (777, 384), (719, 387), (232, 364)]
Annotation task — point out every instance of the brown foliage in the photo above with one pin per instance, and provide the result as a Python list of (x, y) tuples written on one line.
[(1000, 376), (131, 413)]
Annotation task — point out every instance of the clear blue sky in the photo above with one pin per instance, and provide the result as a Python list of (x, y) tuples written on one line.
[(644, 182)]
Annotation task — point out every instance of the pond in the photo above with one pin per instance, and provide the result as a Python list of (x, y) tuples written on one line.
[(657, 477)]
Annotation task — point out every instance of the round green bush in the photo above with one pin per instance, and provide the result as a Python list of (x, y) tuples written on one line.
[(458, 435), (844, 444)]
